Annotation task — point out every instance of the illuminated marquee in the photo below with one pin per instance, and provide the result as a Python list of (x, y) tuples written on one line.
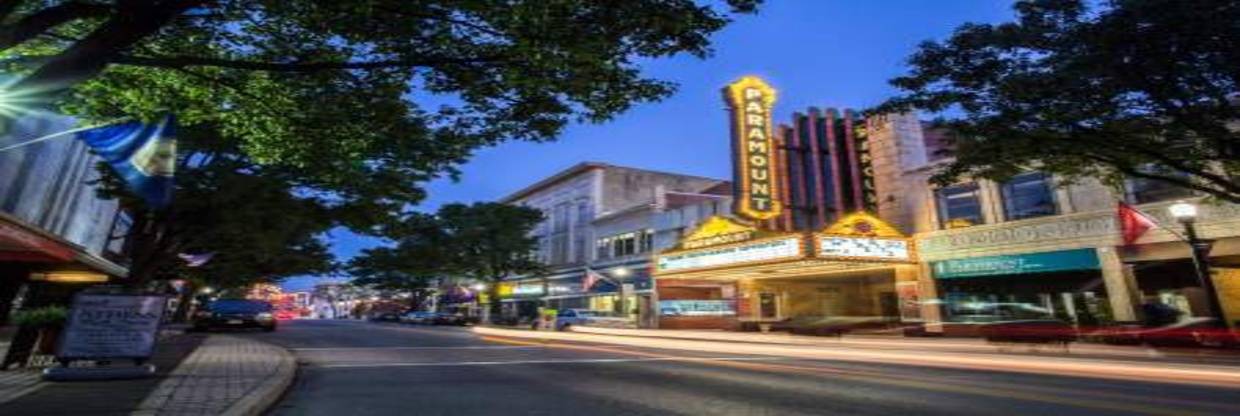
[(749, 253), (750, 100), (864, 248), (717, 231), (861, 236)]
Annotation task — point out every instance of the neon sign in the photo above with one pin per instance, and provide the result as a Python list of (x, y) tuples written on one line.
[(750, 100)]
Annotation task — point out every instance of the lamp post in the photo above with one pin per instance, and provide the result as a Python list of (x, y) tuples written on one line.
[(1186, 214), (622, 272)]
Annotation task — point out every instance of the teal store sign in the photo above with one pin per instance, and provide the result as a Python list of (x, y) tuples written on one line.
[(1054, 261)]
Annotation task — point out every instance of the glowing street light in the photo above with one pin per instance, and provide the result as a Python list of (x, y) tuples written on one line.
[(620, 271), (1183, 211), (479, 286), (1186, 214)]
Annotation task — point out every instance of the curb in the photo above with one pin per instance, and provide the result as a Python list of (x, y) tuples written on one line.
[(268, 393)]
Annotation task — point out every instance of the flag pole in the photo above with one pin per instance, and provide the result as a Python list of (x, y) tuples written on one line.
[(66, 132)]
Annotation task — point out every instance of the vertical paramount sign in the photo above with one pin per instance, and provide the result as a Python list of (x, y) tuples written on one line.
[(750, 100)]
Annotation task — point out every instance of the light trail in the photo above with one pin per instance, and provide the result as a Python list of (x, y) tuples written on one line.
[(1119, 402), (1146, 372)]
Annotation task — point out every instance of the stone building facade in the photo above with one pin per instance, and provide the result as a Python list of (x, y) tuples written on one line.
[(599, 218), (986, 226)]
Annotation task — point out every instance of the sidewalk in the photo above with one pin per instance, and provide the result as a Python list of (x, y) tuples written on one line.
[(227, 375), (197, 375)]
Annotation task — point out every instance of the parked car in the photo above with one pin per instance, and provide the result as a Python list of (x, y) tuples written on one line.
[(385, 317), (1032, 331), (448, 318), (828, 325), (418, 317), (235, 313), (567, 318), (1188, 332)]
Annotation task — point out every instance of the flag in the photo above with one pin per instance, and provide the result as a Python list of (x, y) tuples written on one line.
[(1133, 223), (143, 155), (196, 260), (592, 278)]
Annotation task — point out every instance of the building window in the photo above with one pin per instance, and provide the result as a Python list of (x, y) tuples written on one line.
[(559, 221), (583, 213), (627, 244), (959, 206), (1028, 195), (1141, 190), (579, 248)]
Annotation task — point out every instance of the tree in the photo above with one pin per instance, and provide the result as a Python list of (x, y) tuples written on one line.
[(485, 242), (249, 217), (491, 241), (411, 266), (367, 97), (1131, 89)]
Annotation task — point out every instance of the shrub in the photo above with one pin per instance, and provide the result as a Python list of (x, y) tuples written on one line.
[(47, 316)]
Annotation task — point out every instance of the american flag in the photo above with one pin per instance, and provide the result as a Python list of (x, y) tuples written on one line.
[(592, 278)]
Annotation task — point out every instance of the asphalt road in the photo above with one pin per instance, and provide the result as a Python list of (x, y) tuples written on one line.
[(360, 368)]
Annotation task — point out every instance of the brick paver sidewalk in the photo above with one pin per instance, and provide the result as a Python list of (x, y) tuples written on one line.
[(226, 375), (17, 383)]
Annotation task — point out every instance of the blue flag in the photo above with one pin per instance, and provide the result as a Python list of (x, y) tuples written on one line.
[(144, 155)]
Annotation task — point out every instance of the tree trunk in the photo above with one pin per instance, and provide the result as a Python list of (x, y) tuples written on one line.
[(493, 303)]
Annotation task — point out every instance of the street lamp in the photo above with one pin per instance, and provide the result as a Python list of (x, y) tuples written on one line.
[(1186, 214), (479, 287), (620, 271)]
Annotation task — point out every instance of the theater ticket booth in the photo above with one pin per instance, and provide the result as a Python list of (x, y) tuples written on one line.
[(729, 275)]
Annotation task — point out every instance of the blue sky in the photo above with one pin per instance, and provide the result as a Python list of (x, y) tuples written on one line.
[(824, 53)]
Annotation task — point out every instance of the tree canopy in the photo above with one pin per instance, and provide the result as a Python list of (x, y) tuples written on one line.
[(485, 242), (249, 217), (366, 97), (1144, 89)]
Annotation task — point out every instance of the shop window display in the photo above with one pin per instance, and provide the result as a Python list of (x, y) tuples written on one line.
[(1077, 299)]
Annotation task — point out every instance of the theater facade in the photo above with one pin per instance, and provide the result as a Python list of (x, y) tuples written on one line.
[(730, 275), (804, 241)]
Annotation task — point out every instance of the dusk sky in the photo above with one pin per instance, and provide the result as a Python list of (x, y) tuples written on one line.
[(820, 53)]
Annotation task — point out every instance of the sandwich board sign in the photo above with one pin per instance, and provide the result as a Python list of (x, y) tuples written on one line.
[(111, 326)]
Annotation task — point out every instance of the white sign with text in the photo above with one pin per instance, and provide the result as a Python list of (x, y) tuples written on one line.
[(112, 326)]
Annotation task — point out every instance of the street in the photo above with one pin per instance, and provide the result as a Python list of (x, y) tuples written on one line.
[(352, 367)]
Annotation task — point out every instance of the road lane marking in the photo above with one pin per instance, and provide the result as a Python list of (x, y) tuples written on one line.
[(462, 347), (562, 361)]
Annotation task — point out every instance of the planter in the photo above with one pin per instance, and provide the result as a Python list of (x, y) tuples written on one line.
[(49, 339)]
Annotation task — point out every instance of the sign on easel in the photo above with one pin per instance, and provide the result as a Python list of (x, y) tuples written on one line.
[(112, 326)]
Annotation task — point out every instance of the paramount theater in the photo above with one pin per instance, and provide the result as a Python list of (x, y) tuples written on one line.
[(834, 219), (804, 240)]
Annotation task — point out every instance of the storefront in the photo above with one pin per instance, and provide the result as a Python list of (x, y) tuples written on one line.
[(1166, 273), (728, 275), (1066, 285)]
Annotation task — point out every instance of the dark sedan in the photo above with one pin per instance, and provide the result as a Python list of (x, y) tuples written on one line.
[(236, 313)]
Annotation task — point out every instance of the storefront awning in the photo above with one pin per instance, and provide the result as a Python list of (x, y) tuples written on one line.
[(20, 242)]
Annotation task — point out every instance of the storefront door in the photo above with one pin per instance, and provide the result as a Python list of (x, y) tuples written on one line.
[(768, 306)]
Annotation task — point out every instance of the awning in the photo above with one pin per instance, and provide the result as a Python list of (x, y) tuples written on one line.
[(20, 242)]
